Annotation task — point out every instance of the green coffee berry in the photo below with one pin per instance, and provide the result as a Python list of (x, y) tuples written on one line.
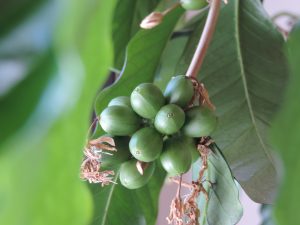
[(200, 121), (130, 176), (121, 100), (146, 144), (176, 157), (193, 4), (169, 119), (146, 100), (179, 91), (119, 120)]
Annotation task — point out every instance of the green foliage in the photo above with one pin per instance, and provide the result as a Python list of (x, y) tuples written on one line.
[(243, 69), (223, 207), (39, 163), (34, 82), (285, 136), (126, 21), (14, 11)]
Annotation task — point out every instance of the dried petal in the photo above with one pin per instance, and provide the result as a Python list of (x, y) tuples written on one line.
[(141, 166), (90, 167), (204, 97)]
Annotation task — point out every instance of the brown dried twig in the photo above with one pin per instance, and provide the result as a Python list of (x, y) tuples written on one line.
[(176, 209)]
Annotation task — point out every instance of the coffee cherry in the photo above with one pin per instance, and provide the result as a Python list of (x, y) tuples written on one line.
[(193, 4), (115, 158), (121, 100), (169, 119), (130, 176), (119, 120), (179, 91), (200, 121), (146, 99), (146, 144), (176, 157)]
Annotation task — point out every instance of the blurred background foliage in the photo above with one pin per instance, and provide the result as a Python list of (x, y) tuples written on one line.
[(55, 57)]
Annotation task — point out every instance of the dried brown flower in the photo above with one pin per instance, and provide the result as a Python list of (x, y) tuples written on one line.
[(90, 167), (201, 94)]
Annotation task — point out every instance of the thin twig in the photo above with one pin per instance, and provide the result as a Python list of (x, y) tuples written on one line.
[(205, 39)]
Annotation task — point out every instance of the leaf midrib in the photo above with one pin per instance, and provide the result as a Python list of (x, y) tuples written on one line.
[(244, 79)]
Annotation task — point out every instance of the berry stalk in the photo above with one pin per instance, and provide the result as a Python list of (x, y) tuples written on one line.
[(205, 38)]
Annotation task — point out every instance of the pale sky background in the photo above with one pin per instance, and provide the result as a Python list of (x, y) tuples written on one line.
[(251, 214)]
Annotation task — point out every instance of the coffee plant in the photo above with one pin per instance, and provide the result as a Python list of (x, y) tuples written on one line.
[(106, 101)]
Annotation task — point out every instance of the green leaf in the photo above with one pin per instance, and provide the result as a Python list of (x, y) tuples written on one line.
[(223, 207), (143, 56), (285, 136), (245, 73), (39, 174), (171, 54), (126, 21)]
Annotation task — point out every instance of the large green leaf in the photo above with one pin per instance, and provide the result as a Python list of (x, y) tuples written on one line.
[(39, 174), (115, 204), (245, 73), (285, 137), (223, 206), (127, 17), (170, 56)]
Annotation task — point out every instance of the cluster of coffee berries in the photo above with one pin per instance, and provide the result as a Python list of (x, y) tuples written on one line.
[(151, 125)]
